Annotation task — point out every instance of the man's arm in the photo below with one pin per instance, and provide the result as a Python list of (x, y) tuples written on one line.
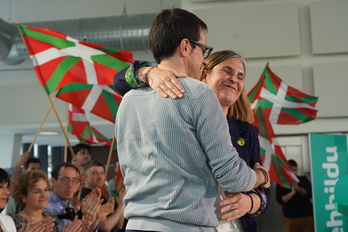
[(298, 189), (212, 132), (17, 170), (283, 195), (116, 219), (287, 197)]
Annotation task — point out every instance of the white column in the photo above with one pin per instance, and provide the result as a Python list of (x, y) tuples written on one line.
[(10, 149)]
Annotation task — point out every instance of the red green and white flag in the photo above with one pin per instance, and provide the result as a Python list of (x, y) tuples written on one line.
[(281, 103), (80, 127), (101, 100), (271, 153), (60, 60), (118, 179)]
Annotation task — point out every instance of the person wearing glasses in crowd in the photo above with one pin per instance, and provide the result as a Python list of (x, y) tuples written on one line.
[(225, 73), (172, 151), (32, 192), (65, 183), (6, 222)]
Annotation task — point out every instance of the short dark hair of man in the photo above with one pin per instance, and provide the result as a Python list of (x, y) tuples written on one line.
[(30, 161), (81, 146), (58, 167), (93, 163), (292, 163), (170, 28)]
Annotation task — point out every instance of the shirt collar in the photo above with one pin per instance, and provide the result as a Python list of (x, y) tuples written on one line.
[(59, 201)]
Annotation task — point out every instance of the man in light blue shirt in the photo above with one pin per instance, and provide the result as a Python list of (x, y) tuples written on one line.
[(65, 182), (173, 151)]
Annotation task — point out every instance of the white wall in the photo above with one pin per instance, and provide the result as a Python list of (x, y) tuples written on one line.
[(304, 41), (304, 45)]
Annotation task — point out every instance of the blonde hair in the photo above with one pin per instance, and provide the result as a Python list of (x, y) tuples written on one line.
[(25, 183), (240, 110)]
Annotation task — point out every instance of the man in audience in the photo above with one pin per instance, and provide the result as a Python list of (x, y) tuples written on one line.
[(29, 165), (296, 203), (95, 178), (82, 157), (65, 183)]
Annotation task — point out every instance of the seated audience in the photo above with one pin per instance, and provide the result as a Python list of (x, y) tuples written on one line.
[(65, 183), (6, 222), (32, 192)]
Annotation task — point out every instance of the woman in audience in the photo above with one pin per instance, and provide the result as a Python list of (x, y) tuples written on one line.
[(6, 222), (32, 191)]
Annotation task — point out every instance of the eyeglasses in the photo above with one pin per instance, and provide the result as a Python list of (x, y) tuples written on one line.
[(205, 48), (66, 180)]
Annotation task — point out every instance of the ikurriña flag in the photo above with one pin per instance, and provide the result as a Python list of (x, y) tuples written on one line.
[(101, 100), (60, 60), (271, 153), (80, 127), (282, 104)]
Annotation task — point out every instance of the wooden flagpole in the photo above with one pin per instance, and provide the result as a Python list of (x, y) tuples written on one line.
[(61, 126), (40, 127), (110, 153), (66, 130)]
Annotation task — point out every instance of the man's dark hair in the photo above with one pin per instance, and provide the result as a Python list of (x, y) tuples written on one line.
[(292, 163), (31, 160), (170, 28), (58, 167), (93, 163), (81, 146)]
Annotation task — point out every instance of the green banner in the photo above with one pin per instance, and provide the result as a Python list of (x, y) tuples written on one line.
[(329, 161)]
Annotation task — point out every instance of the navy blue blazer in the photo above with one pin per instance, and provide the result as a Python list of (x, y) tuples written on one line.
[(244, 137)]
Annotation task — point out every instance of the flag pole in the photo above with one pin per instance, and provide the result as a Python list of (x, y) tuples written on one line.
[(61, 126), (40, 127), (66, 130), (110, 153)]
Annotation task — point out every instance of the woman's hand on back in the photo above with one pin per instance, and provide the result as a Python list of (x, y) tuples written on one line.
[(165, 82)]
